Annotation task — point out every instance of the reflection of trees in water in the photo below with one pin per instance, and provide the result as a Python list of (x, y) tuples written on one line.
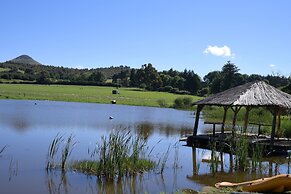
[(20, 124), (146, 129)]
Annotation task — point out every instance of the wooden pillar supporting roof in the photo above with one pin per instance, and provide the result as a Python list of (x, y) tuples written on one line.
[(224, 118), (235, 110), (246, 121), (198, 110), (274, 111)]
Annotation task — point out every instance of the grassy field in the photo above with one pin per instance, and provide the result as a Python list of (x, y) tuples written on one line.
[(92, 94)]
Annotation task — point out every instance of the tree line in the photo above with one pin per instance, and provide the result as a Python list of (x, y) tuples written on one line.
[(146, 77)]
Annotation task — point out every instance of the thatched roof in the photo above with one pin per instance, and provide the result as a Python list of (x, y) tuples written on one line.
[(250, 94)]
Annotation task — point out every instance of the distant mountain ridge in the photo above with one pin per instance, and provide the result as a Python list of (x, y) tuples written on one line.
[(26, 68), (25, 59)]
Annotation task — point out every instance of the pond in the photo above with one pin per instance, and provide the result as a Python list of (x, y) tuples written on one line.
[(28, 127)]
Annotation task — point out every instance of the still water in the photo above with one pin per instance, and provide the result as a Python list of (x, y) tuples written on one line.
[(28, 127)]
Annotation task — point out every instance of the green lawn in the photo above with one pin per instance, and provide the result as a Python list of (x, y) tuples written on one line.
[(93, 94)]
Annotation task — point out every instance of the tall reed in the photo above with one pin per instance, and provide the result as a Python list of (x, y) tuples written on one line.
[(165, 158), (257, 155), (241, 159), (67, 150), (176, 156), (53, 150)]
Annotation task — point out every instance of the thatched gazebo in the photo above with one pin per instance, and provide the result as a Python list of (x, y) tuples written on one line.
[(249, 95)]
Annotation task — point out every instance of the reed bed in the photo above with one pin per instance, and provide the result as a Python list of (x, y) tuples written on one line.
[(120, 154), (245, 157), (117, 155), (241, 159)]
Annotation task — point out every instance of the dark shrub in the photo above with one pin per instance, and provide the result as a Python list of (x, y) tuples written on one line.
[(183, 103)]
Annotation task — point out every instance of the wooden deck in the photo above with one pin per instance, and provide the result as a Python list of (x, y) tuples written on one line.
[(226, 143)]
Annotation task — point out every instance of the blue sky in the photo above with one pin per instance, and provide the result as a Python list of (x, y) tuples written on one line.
[(196, 35)]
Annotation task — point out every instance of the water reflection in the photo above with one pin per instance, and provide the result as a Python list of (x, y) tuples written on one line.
[(147, 129), (21, 115), (63, 182), (57, 182), (210, 167)]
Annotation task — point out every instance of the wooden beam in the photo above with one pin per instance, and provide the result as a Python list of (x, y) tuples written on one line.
[(198, 110), (224, 118)]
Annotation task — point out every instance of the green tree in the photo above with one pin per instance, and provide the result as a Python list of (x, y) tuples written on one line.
[(133, 79), (148, 76), (97, 76), (211, 76), (192, 81), (121, 78), (43, 78), (229, 72)]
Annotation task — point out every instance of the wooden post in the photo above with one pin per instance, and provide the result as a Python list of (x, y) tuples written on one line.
[(198, 110), (194, 161), (235, 110), (274, 112), (270, 169), (222, 162), (224, 117), (213, 130), (246, 121), (230, 162), (279, 132)]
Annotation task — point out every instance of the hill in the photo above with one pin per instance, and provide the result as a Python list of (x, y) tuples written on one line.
[(25, 69), (24, 59)]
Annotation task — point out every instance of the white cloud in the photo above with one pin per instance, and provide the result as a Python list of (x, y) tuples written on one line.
[(224, 51), (272, 65)]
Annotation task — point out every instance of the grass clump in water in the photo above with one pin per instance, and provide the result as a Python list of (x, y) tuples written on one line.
[(120, 154)]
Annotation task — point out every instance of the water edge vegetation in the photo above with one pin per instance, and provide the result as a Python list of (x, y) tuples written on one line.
[(119, 154)]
